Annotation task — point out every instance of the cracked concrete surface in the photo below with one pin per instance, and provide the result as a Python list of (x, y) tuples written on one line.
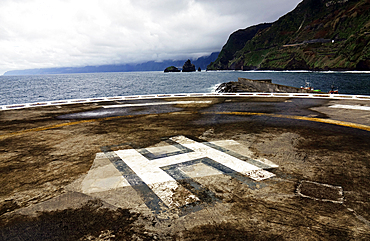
[(46, 184)]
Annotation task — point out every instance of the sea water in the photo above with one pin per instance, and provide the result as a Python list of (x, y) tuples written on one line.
[(36, 88)]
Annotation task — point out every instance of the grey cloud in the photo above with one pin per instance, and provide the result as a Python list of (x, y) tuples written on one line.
[(38, 34)]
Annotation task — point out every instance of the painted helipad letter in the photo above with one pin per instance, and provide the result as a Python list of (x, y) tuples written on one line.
[(158, 174)]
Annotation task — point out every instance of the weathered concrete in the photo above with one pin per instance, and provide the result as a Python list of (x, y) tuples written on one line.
[(193, 169), (268, 86)]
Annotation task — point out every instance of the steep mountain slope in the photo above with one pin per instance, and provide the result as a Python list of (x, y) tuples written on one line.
[(316, 35), (236, 42)]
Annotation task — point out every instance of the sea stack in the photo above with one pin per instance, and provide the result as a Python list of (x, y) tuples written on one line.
[(188, 66)]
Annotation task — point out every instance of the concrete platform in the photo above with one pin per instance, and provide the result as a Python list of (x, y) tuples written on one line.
[(187, 168)]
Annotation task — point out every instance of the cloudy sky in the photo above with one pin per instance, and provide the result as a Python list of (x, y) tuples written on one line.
[(61, 33)]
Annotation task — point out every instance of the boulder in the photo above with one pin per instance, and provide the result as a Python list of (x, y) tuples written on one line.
[(188, 66)]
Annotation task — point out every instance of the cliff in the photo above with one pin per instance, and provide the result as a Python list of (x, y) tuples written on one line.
[(316, 35), (236, 42)]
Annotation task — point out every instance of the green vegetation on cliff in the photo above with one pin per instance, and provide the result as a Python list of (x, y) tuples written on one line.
[(236, 42), (316, 35)]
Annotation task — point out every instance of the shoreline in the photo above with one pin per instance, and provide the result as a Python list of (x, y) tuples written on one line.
[(209, 71)]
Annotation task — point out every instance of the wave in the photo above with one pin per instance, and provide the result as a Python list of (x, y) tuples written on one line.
[(214, 88)]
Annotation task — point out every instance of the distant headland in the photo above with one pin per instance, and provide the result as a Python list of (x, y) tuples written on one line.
[(201, 62)]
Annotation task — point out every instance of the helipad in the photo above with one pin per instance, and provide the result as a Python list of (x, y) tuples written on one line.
[(162, 170), (186, 167)]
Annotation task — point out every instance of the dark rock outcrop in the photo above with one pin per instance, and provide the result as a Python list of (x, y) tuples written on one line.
[(297, 64), (188, 66), (233, 87), (265, 86), (171, 69), (363, 65)]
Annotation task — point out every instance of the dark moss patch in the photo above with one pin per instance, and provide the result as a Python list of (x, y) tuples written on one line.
[(226, 231), (74, 224), (8, 206)]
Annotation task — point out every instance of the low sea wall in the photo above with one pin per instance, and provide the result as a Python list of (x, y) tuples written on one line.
[(186, 95)]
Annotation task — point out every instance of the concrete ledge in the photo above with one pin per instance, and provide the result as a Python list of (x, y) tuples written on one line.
[(268, 86)]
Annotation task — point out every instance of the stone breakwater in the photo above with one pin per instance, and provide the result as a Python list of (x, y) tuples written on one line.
[(266, 86)]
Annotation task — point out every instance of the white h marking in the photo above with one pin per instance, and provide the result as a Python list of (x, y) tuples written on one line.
[(164, 186)]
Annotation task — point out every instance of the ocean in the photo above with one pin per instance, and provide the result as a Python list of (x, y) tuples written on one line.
[(36, 88)]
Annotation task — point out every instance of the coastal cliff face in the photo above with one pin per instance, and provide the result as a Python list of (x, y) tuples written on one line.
[(236, 42), (316, 35)]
